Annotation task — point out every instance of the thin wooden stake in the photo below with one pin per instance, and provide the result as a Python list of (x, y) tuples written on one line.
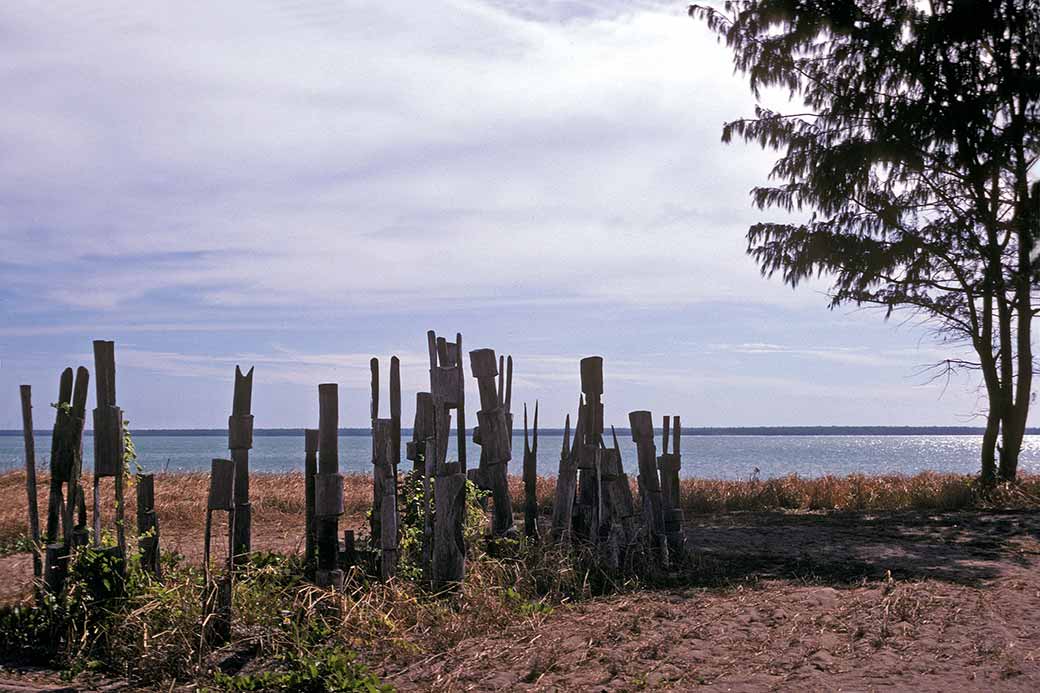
[(30, 477)]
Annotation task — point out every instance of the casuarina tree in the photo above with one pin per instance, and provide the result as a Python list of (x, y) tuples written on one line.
[(912, 158)]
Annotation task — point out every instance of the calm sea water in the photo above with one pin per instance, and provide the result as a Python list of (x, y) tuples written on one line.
[(717, 457)]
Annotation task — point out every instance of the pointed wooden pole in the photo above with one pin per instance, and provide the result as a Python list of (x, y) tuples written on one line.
[(75, 523), (61, 457), (566, 483), (30, 477), (240, 441), (531, 478)]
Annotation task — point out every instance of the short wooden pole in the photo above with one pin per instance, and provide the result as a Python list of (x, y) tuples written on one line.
[(147, 525)]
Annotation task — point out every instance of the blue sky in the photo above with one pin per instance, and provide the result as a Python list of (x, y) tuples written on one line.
[(302, 185)]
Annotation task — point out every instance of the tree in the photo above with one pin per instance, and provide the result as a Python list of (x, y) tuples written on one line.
[(914, 153)]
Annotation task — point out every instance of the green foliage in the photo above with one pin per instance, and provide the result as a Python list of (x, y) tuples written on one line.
[(326, 671), (914, 151), (130, 452), (411, 524)]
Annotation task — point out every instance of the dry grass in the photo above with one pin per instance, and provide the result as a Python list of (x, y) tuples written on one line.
[(278, 499)]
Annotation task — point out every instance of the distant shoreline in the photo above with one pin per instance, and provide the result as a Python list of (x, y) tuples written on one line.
[(687, 431)]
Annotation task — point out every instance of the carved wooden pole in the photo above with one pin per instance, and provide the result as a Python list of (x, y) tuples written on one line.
[(378, 453), (388, 507), (61, 456), (310, 470), (422, 428), (460, 407), (649, 484), (531, 478), (494, 438), (566, 483), (448, 564), (147, 525), (328, 488), (588, 444), (669, 465), (447, 384), (76, 533), (108, 438), (30, 477), (619, 515), (216, 605), (240, 441)]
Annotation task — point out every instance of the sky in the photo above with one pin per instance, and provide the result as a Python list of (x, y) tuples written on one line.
[(300, 185)]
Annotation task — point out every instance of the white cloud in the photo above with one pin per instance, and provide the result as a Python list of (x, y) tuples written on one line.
[(277, 154)]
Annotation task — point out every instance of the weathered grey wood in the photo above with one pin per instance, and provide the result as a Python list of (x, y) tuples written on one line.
[(348, 556), (460, 437), (531, 478), (221, 485), (388, 509), (328, 495), (431, 339), (449, 549), (422, 428), (395, 414), (501, 380), (240, 441), (96, 510), (482, 364), (589, 502), (566, 487), (108, 432), (55, 568), (430, 462), (25, 391), (105, 372), (61, 457), (75, 436), (310, 467), (108, 441), (328, 573), (642, 426), (493, 434), (216, 602), (669, 465), (508, 401), (147, 525), (328, 431), (381, 444)]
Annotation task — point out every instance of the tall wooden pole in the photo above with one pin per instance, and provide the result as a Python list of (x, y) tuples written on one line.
[(240, 441), (310, 469), (61, 456), (75, 529), (531, 478), (108, 437), (30, 477), (328, 488), (495, 440)]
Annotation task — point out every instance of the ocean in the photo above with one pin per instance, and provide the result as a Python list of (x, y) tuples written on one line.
[(704, 456)]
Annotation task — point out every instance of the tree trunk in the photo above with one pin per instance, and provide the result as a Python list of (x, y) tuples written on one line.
[(989, 443)]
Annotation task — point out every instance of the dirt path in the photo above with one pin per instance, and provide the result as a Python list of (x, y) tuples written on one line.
[(842, 602)]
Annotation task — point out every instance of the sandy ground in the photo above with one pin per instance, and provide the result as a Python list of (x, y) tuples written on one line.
[(796, 602), (823, 602)]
